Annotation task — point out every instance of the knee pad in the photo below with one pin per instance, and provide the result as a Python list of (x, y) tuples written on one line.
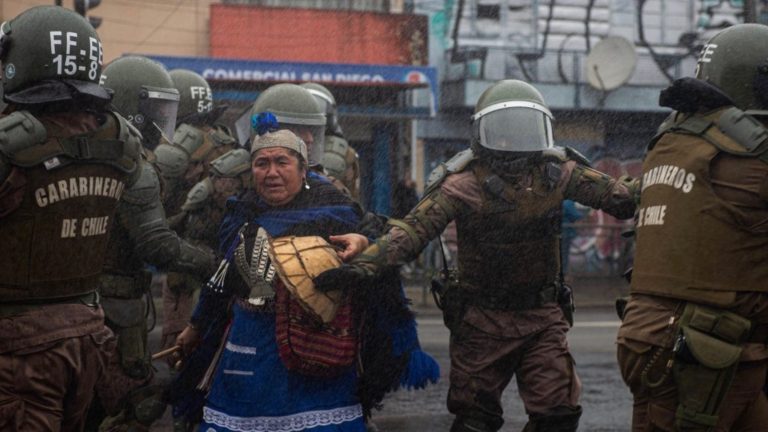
[(561, 419)]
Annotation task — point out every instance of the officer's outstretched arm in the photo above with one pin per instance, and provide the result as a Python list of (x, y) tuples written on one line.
[(617, 197), (141, 213), (406, 238)]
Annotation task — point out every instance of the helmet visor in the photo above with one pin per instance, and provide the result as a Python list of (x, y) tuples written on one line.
[(515, 129), (332, 126), (5, 32), (325, 104), (313, 136), (158, 108), (244, 129)]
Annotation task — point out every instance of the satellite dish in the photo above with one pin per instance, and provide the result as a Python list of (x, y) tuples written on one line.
[(610, 63)]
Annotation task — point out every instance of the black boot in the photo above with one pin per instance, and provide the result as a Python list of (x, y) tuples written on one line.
[(562, 419)]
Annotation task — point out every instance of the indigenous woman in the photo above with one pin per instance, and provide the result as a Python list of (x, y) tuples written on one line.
[(249, 387)]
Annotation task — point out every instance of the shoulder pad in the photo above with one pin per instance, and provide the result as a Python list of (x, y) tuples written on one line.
[(23, 140), (663, 128), (188, 138), (222, 137), (20, 130), (224, 129), (455, 164), (232, 163), (555, 154), (171, 160), (459, 161), (133, 149), (198, 195), (745, 132), (667, 124), (336, 145), (146, 189), (576, 155), (335, 156)]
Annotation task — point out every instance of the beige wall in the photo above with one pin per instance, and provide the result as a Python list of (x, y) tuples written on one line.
[(168, 27)]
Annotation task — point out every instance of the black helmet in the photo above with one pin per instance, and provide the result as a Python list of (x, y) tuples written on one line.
[(144, 94), (736, 61), (51, 54)]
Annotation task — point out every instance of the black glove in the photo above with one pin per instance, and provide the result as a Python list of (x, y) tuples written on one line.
[(347, 277)]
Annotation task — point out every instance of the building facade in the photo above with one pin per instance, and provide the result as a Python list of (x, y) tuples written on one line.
[(372, 54)]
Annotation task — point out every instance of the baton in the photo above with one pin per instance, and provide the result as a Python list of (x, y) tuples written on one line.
[(166, 352)]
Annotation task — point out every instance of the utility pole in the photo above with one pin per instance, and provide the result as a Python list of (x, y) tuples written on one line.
[(750, 11), (82, 7)]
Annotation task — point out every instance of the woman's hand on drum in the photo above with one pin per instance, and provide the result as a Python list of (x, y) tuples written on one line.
[(351, 243)]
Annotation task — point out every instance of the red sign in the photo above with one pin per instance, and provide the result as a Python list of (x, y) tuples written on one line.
[(315, 35)]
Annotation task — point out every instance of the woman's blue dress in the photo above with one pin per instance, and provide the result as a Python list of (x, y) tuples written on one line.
[(251, 390)]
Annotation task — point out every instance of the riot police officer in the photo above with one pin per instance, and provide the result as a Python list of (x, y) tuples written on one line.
[(506, 308), (144, 94), (185, 162), (196, 142), (692, 345), (66, 161), (198, 222), (340, 161)]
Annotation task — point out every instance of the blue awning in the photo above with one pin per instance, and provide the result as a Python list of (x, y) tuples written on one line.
[(243, 71)]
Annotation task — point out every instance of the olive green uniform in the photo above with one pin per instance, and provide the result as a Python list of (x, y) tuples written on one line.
[(188, 160), (185, 165), (698, 311), (142, 236), (61, 177), (341, 165), (503, 308), (198, 223)]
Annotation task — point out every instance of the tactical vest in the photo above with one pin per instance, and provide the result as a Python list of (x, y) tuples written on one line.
[(203, 146), (690, 244), (511, 245), (56, 234)]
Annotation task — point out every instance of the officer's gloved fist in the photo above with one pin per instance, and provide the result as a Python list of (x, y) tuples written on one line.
[(347, 277)]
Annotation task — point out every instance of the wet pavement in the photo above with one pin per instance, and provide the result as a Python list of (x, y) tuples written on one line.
[(605, 399)]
